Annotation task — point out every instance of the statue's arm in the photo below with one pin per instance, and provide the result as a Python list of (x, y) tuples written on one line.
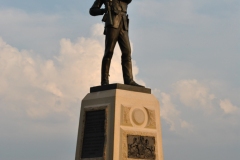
[(95, 9)]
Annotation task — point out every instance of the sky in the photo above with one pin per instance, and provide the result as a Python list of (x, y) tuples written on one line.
[(186, 51)]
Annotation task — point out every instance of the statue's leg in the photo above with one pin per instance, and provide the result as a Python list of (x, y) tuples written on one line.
[(125, 47), (110, 42)]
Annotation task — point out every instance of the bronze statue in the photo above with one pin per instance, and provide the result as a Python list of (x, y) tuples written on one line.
[(116, 30)]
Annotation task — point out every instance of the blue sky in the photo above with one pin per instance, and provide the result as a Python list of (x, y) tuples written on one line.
[(186, 51)]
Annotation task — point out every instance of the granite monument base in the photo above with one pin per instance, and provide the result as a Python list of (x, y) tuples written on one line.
[(119, 122)]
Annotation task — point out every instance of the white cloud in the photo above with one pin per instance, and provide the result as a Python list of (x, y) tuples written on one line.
[(43, 86), (170, 113), (228, 107), (175, 11), (23, 26), (194, 94), (97, 29), (185, 11), (185, 124), (40, 31), (179, 36), (168, 110)]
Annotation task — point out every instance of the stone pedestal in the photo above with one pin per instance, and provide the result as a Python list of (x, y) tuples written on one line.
[(119, 122)]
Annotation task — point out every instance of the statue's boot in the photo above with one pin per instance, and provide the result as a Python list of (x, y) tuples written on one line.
[(127, 73), (105, 71)]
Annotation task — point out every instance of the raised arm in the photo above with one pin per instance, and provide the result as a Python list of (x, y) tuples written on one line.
[(95, 9)]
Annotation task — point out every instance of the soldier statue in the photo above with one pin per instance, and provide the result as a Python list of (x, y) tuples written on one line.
[(116, 30)]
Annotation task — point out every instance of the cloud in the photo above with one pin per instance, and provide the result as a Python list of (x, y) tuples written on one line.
[(168, 110), (170, 113), (185, 124), (194, 94), (190, 93), (174, 11), (40, 31), (228, 107), (41, 87), (97, 29), (187, 40), (186, 11)]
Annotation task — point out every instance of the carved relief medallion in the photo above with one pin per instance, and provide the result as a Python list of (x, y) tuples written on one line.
[(139, 117)]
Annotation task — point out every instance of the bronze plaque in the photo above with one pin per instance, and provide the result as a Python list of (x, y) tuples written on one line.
[(141, 147), (94, 134)]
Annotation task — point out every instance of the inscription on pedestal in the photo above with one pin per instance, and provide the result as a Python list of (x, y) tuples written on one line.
[(141, 147), (94, 134)]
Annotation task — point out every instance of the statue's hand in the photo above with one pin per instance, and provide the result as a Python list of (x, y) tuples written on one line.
[(104, 10)]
